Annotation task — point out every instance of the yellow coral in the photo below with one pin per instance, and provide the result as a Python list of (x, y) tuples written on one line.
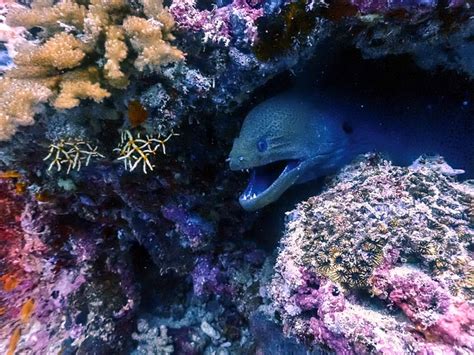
[(30, 72), (73, 90), (115, 52), (44, 14), (152, 8), (109, 5)]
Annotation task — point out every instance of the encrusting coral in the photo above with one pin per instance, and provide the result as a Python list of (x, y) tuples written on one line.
[(381, 235), (82, 53)]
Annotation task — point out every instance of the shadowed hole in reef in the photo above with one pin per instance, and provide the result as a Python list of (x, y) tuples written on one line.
[(154, 287), (270, 224)]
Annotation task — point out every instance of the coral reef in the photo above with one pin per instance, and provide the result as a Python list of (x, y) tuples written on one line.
[(50, 298), (219, 25), (59, 68), (401, 235), (209, 314), (108, 245)]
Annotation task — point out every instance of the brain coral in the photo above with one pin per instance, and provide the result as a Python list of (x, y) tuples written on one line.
[(381, 261)]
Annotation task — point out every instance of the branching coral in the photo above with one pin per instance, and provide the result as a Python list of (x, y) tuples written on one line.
[(46, 14), (62, 51), (71, 153), (58, 66), (76, 86), (147, 39), (135, 150), (115, 52)]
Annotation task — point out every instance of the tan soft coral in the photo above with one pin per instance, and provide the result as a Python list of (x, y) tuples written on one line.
[(62, 51), (19, 100), (147, 39), (79, 85), (115, 52), (106, 32), (46, 14)]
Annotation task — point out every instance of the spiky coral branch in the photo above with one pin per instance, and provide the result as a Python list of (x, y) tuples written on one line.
[(72, 153), (135, 150)]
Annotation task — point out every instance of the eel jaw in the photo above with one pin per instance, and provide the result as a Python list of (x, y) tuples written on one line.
[(268, 182)]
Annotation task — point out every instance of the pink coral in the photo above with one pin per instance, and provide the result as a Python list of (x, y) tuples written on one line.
[(438, 315), (216, 24), (30, 275)]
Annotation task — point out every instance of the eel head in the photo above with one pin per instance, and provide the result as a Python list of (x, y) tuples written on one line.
[(280, 140)]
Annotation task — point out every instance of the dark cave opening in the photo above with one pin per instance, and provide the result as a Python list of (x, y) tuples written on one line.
[(395, 81), (154, 287)]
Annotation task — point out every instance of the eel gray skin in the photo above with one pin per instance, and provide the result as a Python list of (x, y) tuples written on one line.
[(293, 138)]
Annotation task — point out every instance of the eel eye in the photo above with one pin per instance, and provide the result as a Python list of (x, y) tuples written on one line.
[(262, 145)]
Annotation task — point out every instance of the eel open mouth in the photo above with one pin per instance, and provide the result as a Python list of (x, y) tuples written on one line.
[(268, 182)]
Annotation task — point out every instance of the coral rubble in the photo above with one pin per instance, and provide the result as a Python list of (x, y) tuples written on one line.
[(380, 261)]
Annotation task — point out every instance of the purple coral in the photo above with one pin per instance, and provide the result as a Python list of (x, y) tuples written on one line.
[(208, 279), (193, 230), (434, 311)]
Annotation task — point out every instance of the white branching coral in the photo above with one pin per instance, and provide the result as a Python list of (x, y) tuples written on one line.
[(73, 154), (151, 340), (134, 151)]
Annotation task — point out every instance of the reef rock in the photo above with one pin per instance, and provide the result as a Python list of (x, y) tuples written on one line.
[(381, 261)]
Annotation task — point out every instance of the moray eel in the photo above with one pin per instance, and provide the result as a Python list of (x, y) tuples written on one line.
[(290, 139)]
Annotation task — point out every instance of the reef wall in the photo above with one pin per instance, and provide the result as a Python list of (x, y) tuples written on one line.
[(120, 229)]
